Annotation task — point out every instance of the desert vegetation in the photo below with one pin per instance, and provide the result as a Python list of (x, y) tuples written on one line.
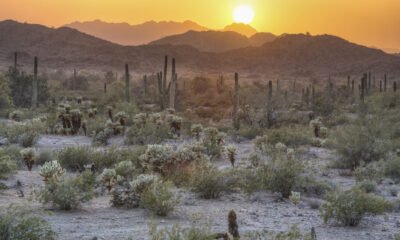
[(161, 143)]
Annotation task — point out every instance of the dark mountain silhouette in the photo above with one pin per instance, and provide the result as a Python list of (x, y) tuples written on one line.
[(291, 54), (216, 41), (241, 28), (126, 34)]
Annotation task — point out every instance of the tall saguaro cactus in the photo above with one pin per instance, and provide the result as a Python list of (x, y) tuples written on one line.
[(363, 87), (15, 60), (35, 84), (269, 105), (384, 82), (172, 93), (164, 85), (145, 90), (127, 87), (236, 121)]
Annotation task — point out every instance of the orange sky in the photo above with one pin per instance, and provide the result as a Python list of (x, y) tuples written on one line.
[(369, 22)]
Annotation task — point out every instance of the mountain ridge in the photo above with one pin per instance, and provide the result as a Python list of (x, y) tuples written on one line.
[(66, 48)]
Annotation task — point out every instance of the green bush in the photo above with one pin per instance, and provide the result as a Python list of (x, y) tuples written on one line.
[(371, 172), (178, 233), (76, 158), (7, 166), (68, 193), (291, 137), (363, 142), (43, 157), (367, 186), (349, 207), (392, 168), (26, 133), (17, 223), (148, 133), (159, 199), (208, 181), (213, 142), (282, 174)]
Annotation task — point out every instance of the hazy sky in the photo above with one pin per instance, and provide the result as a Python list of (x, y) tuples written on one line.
[(369, 22)]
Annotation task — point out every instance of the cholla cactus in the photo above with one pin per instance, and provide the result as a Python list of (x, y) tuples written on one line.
[(121, 118), (110, 113), (231, 152), (191, 152), (124, 168), (76, 120), (92, 112), (28, 154), (109, 178), (157, 157), (295, 198), (233, 227), (261, 144), (170, 111), (280, 147), (175, 123), (316, 124), (140, 119), (142, 182), (196, 130), (155, 117), (290, 153), (213, 141), (16, 115), (323, 132), (51, 170)]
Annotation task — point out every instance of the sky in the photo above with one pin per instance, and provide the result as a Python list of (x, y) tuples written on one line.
[(374, 23)]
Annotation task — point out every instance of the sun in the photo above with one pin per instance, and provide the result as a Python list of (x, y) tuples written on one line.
[(243, 14)]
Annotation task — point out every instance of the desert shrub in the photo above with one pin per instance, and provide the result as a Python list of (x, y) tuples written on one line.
[(43, 157), (293, 233), (26, 133), (196, 130), (289, 137), (101, 138), (5, 94), (363, 142), (371, 172), (18, 223), (248, 132), (75, 158), (128, 194), (313, 187), (157, 157), (150, 133), (392, 168), (124, 169), (67, 193), (349, 207), (282, 174), (367, 186), (213, 142), (208, 181), (195, 232), (7, 166), (14, 152), (159, 199)]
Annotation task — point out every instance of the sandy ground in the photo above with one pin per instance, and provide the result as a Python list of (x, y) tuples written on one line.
[(256, 212)]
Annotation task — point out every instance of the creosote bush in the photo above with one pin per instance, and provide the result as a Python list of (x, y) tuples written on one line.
[(7, 166), (18, 223), (159, 199), (349, 207), (363, 142), (25, 133), (67, 193)]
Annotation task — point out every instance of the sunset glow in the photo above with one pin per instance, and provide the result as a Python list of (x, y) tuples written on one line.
[(371, 23), (243, 14)]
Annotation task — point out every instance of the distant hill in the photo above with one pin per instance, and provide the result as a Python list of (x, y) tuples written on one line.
[(126, 34), (291, 54), (216, 41), (241, 28)]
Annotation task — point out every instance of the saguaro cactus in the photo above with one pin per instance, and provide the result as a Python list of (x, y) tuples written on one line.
[(145, 90), (172, 93), (348, 82), (15, 60), (127, 88), (236, 121), (165, 73), (394, 86), (380, 86), (220, 84), (269, 105), (352, 86), (35, 84), (363, 87), (384, 82)]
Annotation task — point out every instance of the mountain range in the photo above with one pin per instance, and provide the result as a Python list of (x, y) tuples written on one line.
[(131, 35), (293, 54)]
